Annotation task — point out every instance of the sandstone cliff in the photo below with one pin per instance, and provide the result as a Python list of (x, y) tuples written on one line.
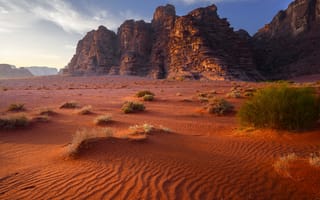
[(198, 45), (290, 45)]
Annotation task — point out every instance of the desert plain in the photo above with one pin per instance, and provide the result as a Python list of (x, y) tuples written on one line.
[(196, 156)]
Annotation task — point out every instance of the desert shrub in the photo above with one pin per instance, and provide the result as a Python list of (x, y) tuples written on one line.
[(16, 107), (46, 111), (85, 110), (314, 159), (103, 119), (148, 97), (220, 107), (82, 137), (281, 107), (13, 122), (69, 105), (282, 164), (144, 93), (41, 118), (234, 94), (131, 107)]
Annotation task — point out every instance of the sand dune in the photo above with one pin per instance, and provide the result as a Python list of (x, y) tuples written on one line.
[(203, 157)]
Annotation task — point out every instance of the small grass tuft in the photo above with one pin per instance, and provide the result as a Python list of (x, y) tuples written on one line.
[(132, 107), (16, 107), (314, 159), (87, 110), (13, 122), (220, 107), (144, 93), (103, 119), (82, 137), (69, 105), (282, 164), (148, 97), (46, 111)]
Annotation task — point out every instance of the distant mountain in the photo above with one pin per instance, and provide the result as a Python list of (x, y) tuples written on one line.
[(10, 71), (42, 71)]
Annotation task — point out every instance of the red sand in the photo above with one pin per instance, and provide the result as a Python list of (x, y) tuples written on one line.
[(204, 157)]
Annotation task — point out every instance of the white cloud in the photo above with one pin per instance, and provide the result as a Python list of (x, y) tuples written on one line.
[(15, 14)]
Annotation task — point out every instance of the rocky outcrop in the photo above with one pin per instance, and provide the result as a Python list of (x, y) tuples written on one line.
[(135, 40), (10, 71), (42, 71), (96, 53), (198, 45), (290, 45)]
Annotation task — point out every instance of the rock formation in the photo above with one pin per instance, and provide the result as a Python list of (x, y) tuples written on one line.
[(198, 45), (10, 71), (42, 71), (290, 45)]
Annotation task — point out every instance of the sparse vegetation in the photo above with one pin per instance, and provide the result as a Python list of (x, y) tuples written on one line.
[(314, 159), (82, 137), (103, 119), (281, 107), (69, 105), (131, 107), (85, 110), (16, 107), (234, 94), (282, 164), (46, 111), (220, 107), (144, 93), (165, 129), (148, 97), (13, 122), (41, 118)]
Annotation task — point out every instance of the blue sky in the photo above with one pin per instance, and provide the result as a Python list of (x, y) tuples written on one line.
[(45, 32)]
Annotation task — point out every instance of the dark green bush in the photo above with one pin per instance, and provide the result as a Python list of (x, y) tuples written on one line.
[(131, 107), (144, 93), (281, 107)]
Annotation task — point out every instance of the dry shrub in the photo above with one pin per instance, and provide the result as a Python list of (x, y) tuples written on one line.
[(82, 137), (131, 107), (16, 107), (314, 159), (41, 118), (13, 122), (282, 164), (144, 93), (87, 110), (148, 97), (69, 105), (46, 111), (103, 119), (220, 107)]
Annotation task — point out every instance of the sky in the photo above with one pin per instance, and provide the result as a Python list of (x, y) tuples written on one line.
[(46, 32)]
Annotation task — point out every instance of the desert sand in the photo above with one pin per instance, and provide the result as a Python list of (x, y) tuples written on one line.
[(202, 157)]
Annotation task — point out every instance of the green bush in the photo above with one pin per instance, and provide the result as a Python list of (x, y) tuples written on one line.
[(144, 93), (148, 97), (220, 107), (16, 107), (281, 107), (131, 107)]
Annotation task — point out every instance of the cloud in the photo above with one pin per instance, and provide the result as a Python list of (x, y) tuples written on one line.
[(17, 14)]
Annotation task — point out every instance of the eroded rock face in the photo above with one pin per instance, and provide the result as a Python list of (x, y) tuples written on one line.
[(96, 53), (135, 40), (290, 45), (203, 45), (198, 45)]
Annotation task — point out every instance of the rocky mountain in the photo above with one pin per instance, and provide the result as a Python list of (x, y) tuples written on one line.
[(42, 71), (197, 45), (10, 71), (202, 45), (290, 45)]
